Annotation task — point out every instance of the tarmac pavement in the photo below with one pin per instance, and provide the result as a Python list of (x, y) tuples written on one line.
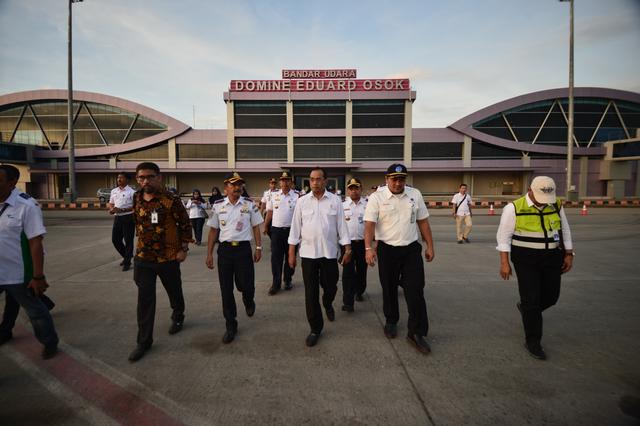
[(478, 372)]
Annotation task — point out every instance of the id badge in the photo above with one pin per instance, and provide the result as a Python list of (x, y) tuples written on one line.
[(556, 236), (413, 217), (239, 225), (360, 219), (154, 217)]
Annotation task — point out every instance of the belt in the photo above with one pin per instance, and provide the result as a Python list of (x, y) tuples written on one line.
[(357, 241), (234, 243)]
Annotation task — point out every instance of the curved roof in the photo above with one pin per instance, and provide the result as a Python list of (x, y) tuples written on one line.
[(465, 124), (174, 127)]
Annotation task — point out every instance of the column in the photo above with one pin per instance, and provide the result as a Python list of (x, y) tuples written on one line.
[(290, 151), (348, 155), (584, 177), (231, 142), (466, 152), (408, 135), (173, 162)]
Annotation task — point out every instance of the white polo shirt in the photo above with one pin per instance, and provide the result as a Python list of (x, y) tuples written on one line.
[(395, 216), (195, 210), (354, 215), (235, 221), (319, 226), (282, 205), (459, 198), (122, 198), (21, 217)]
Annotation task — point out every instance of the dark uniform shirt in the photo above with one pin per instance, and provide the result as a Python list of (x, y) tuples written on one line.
[(160, 242)]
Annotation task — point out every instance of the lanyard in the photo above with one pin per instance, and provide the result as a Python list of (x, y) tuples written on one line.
[(3, 209)]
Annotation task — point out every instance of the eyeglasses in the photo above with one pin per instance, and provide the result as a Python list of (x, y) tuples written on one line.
[(147, 177)]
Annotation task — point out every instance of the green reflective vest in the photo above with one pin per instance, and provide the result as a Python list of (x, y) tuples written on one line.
[(537, 228)]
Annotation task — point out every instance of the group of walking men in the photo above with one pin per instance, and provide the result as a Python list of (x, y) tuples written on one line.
[(386, 229)]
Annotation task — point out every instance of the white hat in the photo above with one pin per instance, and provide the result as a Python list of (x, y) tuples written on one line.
[(544, 189)]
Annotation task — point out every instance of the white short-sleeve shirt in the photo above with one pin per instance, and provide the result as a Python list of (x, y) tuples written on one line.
[(282, 205), (459, 198), (395, 215), (122, 198), (20, 213), (319, 227), (354, 215), (196, 210), (235, 221)]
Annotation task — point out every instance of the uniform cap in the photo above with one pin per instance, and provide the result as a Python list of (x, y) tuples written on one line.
[(544, 189), (354, 182), (273, 180), (396, 170), (285, 175), (233, 177)]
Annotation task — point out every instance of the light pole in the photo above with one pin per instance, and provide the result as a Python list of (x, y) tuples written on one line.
[(570, 190), (72, 194)]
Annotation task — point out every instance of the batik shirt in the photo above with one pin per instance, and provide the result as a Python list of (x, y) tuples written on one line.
[(160, 242)]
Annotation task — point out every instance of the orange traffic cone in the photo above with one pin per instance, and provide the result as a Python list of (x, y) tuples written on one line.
[(491, 210), (584, 211)]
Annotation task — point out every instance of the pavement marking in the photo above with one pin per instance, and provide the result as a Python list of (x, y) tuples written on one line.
[(79, 406), (116, 402), (423, 404)]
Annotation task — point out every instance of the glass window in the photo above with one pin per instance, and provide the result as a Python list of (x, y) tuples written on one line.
[(319, 115), (261, 148), (158, 152), (378, 147), (202, 151), (260, 115), (378, 107), (319, 148), (487, 151), (630, 149), (378, 114), (438, 150), (319, 107)]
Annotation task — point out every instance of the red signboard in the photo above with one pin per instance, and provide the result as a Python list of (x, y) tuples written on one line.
[(305, 74), (329, 85)]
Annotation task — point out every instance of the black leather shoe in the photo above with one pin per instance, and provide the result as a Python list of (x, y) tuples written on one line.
[(228, 337), (122, 263), (49, 350), (359, 298), (536, 351), (176, 327), (460, 241), (126, 266), (274, 291), (390, 330), (288, 286), (331, 314), (466, 240), (347, 308), (312, 339), (4, 338), (251, 309), (419, 343), (138, 353)]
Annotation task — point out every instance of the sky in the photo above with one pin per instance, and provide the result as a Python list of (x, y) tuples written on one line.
[(177, 56)]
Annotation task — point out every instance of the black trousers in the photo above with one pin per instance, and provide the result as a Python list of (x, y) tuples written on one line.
[(122, 233), (538, 273), (144, 275), (403, 266), (197, 224), (318, 273), (280, 256), (235, 263), (354, 274)]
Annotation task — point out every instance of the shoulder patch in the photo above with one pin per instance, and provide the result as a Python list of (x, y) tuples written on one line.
[(25, 195)]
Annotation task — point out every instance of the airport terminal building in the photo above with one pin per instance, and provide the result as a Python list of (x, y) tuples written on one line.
[(330, 118)]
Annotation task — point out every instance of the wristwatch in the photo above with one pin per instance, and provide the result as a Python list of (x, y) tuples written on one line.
[(570, 253)]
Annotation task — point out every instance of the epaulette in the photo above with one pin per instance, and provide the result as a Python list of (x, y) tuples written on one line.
[(247, 199), (25, 195), (218, 201)]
